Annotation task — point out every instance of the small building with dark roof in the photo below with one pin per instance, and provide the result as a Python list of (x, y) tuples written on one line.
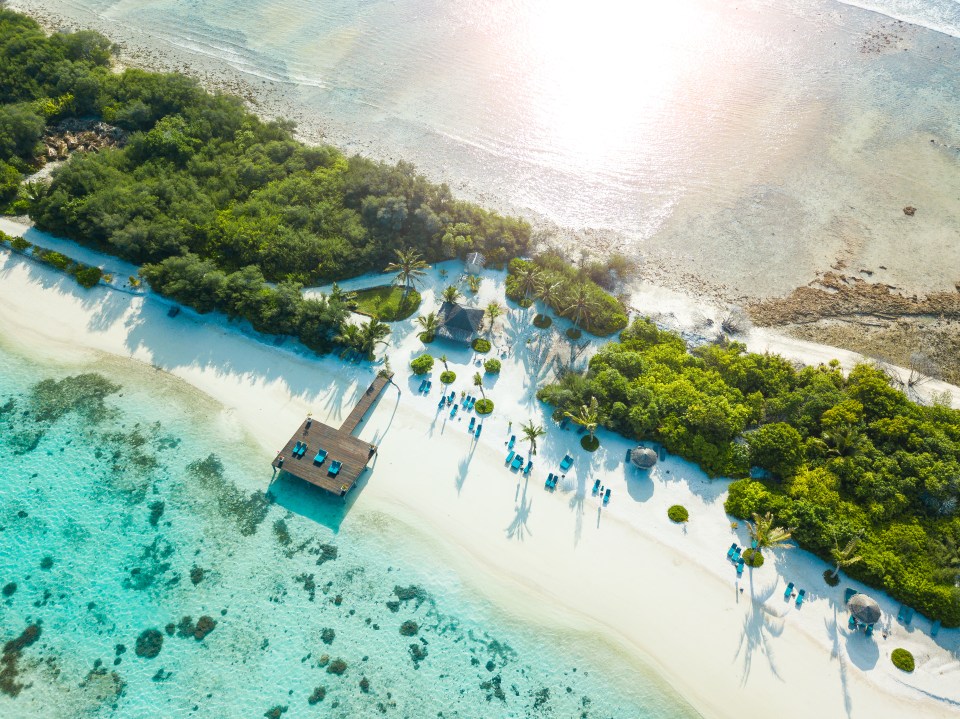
[(457, 323)]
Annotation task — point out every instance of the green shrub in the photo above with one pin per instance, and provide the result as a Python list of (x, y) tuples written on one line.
[(88, 276), (483, 406), (480, 345), (427, 337), (19, 244), (422, 364), (591, 444), (525, 302), (492, 366), (56, 260), (448, 376), (752, 558), (902, 659), (573, 333), (678, 513), (542, 321)]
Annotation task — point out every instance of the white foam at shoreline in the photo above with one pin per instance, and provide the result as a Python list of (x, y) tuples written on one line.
[(941, 16)]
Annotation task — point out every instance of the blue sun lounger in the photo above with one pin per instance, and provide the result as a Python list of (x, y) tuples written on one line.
[(869, 630), (303, 450), (735, 557), (423, 383), (517, 462), (606, 497), (788, 592), (334, 468), (852, 624), (429, 385), (443, 401), (479, 427), (473, 421), (566, 463), (513, 440), (733, 548), (510, 457), (549, 479), (740, 563), (596, 486), (526, 470), (321, 456), (454, 410), (800, 597), (296, 450)]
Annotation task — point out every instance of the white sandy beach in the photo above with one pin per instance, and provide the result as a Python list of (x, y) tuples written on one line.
[(659, 594)]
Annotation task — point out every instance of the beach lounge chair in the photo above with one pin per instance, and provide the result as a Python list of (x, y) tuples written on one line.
[(423, 383), (473, 401), (606, 497), (847, 594), (935, 628), (733, 547), (526, 470), (450, 398), (296, 449), (596, 486), (429, 386), (479, 427), (581, 429), (334, 468), (735, 557), (553, 482), (510, 456), (321, 456), (788, 592), (869, 630), (453, 411), (549, 479), (473, 421), (517, 462), (303, 450), (513, 440), (800, 597), (566, 463), (443, 401), (852, 624)]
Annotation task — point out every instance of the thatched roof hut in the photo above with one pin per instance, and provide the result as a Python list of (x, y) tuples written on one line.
[(643, 457), (458, 323), (864, 609)]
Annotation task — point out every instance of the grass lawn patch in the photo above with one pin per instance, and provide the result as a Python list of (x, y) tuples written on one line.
[(481, 345), (386, 303)]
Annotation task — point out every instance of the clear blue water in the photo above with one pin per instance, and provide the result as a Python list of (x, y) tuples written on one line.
[(123, 509)]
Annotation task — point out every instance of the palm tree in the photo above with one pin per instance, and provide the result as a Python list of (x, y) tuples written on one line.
[(844, 440), (582, 305), (588, 417), (410, 268), (429, 324), (451, 294), (531, 432), (349, 337), (764, 534), (473, 282), (372, 333), (494, 310), (550, 292), (443, 358), (528, 279), (478, 382), (845, 557)]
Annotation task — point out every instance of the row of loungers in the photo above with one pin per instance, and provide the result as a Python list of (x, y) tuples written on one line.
[(300, 449), (516, 462)]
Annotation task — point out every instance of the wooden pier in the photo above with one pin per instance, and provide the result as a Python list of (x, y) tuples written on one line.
[(340, 446)]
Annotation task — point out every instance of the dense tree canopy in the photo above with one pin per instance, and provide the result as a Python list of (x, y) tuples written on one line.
[(214, 202), (846, 456)]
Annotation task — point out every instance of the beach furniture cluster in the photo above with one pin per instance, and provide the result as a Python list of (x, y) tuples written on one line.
[(338, 457), (735, 555), (466, 403), (599, 490), (425, 386), (516, 462)]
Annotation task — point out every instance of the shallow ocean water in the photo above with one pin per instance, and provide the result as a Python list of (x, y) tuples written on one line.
[(128, 502)]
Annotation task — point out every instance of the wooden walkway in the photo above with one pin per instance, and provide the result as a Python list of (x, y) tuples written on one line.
[(359, 412), (339, 446)]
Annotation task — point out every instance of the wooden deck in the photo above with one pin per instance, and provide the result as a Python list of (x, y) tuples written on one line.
[(340, 445)]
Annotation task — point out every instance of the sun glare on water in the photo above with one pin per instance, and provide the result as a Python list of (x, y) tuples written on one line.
[(599, 69)]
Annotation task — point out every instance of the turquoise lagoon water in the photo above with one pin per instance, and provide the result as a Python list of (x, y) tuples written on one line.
[(123, 509)]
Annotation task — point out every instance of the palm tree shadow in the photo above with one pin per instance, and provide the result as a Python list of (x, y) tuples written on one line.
[(577, 503), (760, 625), (518, 528), (837, 652), (463, 469)]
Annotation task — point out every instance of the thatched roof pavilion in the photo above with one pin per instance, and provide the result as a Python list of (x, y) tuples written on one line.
[(643, 457), (864, 609), (458, 323)]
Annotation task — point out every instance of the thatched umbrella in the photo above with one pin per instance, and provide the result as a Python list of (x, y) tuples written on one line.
[(864, 609), (643, 457)]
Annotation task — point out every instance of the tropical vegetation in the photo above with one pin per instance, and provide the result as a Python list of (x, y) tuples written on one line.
[(492, 366), (570, 291), (835, 455), (902, 659), (387, 302), (422, 364), (480, 345), (86, 275), (678, 513)]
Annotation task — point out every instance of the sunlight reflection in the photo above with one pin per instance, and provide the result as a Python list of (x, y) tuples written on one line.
[(601, 67)]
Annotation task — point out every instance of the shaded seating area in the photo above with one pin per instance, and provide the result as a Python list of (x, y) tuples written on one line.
[(864, 613)]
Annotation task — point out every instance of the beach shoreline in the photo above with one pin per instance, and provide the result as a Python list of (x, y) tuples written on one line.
[(557, 560)]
